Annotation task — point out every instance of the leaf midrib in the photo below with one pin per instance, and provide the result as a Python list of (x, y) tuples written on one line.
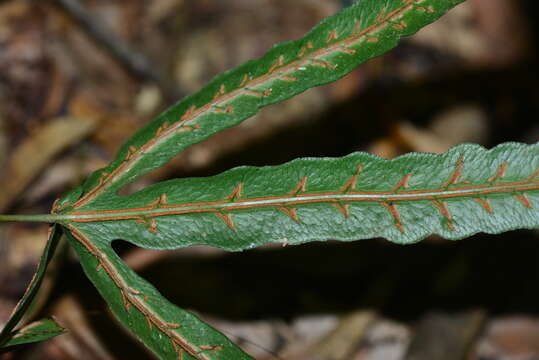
[(156, 210)]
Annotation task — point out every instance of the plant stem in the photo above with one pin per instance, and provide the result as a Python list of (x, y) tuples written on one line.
[(48, 218)]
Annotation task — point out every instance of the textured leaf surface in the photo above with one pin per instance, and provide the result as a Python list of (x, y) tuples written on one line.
[(331, 50), (54, 237), (457, 194), (34, 332)]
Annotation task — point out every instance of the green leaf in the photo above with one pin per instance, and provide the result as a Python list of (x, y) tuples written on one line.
[(34, 332), (169, 331), (6, 334), (467, 190), (329, 51), (204, 211)]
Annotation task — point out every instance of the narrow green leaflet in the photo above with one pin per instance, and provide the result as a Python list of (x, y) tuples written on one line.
[(467, 190), (6, 335), (169, 331), (329, 51), (34, 332)]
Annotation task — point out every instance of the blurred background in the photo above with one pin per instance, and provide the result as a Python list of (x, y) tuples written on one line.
[(77, 77)]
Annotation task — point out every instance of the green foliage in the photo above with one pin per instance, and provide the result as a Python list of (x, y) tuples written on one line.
[(329, 51), (7, 334), (163, 327), (465, 191), (33, 332)]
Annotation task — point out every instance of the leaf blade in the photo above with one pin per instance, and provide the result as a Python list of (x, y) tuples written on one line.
[(329, 51), (467, 190), (167, 330), (41, 330)]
